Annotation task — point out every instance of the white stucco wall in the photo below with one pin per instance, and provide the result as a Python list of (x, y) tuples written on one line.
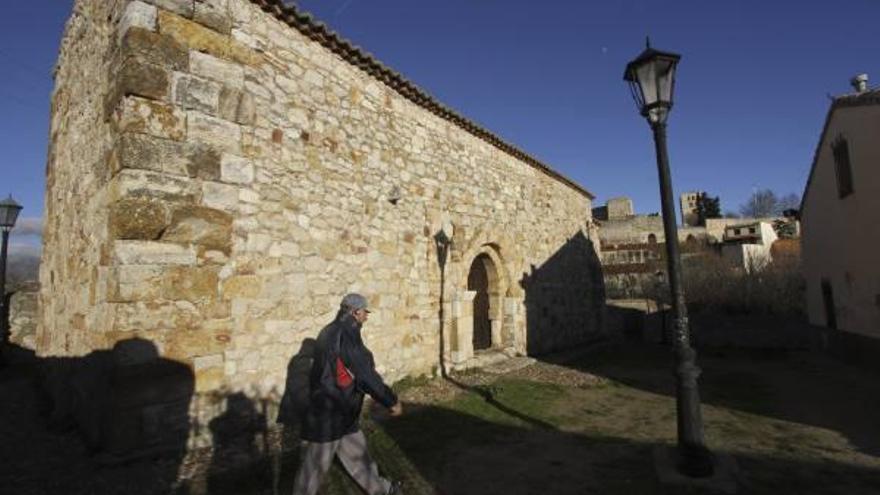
[(841, 235)]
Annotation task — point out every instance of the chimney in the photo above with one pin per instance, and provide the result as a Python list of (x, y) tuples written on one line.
[(860, 83)]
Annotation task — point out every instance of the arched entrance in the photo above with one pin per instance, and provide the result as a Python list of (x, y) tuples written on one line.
[(484, 307), (478, 282)]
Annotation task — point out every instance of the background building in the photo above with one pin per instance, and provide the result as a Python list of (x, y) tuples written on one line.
[(748, 245), (841, 216), (688, 203)]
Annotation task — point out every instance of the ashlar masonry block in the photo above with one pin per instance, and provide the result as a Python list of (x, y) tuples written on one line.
[(140, 15), (142, 116)]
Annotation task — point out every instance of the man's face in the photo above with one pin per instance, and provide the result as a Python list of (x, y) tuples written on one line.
[(361, 315)]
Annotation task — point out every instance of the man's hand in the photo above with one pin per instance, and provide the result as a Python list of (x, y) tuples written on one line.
[(396, 409)]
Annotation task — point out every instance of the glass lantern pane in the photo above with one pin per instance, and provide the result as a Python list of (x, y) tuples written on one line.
[(664, 79), (647, 77), (8, 213), (636, 91), (13, 215)]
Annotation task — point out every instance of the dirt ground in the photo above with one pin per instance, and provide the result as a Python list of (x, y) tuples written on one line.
[(580, 423)]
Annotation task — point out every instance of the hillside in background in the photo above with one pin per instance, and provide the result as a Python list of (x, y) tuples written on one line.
[(22, 267)]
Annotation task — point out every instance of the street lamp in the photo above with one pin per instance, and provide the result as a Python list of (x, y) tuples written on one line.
[(8, 214), (651, 77)]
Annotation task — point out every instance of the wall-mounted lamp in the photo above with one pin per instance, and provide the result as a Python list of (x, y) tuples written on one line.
[(394, 195)]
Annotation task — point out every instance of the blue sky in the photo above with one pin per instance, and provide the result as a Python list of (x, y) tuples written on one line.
[(547, 77)]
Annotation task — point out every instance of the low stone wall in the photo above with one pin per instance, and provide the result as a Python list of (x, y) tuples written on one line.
[(851, 348), (23, 313), (636, 319), (644, 320), (753, 331)]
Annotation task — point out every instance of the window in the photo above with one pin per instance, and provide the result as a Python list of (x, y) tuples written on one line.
[(735, 231), (842, 166), (751, 230)]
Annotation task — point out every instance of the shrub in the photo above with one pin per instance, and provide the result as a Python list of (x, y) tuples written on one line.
[(713, 285)]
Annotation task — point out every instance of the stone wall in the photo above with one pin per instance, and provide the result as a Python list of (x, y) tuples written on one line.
[(23, 315), (234, 178), (619, 208), (74, 263), (636, 229)]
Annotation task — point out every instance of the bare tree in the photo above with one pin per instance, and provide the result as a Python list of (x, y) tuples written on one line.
[(765, 203), (790, 201)]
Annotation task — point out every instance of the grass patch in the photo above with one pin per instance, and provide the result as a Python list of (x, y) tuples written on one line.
[(512, 402), (409, 383)]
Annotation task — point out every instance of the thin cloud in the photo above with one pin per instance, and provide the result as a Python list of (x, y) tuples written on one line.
[(28, 226), (344, 6), (25, 250)]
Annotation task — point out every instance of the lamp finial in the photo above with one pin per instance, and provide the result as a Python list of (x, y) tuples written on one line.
[(647, 42)]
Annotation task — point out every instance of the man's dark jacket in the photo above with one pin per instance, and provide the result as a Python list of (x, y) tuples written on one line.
[(333, 411)]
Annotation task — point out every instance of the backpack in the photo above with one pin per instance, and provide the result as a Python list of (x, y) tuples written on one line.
[(296, 398)]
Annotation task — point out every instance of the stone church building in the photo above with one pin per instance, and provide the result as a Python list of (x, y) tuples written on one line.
[(222, 172)]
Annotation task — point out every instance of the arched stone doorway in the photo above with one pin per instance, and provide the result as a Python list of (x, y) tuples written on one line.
[(485, 310), (478, 282)]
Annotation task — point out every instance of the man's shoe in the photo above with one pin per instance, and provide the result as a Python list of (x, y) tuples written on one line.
[(395, 489)]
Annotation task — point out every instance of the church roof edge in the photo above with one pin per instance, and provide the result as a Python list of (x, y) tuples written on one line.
[(319, 32)]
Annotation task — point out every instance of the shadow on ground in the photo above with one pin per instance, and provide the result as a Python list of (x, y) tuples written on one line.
[(73, 425), (507, 436), (457, 453), (796, 386)]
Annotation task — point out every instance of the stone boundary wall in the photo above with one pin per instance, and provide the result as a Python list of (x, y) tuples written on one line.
[(228, 179), (646, 320), (23, 315), (638, 228)]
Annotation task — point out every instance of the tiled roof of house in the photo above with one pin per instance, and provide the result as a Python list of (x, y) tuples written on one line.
[(869, 97), (352, 54)]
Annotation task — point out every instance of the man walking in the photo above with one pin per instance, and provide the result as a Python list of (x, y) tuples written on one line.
[(343, 370)]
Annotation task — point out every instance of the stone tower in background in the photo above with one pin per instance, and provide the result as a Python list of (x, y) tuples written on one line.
[(688, 202)]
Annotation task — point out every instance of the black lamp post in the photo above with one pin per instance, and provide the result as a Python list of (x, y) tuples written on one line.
[(651, 77), (8, 214)]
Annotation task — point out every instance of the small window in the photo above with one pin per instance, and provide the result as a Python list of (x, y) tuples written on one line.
[(843, 167), (736, 231), (652, 239), (751, 230)]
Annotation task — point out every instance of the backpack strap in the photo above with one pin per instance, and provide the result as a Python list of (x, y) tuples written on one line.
[(344, 376)]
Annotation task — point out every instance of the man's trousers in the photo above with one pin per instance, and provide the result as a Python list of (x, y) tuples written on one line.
[(352, 452)]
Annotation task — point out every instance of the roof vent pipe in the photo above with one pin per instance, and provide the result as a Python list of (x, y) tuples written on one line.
[(860, 83)]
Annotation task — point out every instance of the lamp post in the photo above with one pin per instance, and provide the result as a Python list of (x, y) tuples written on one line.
[(8, 214), (651, 77)]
